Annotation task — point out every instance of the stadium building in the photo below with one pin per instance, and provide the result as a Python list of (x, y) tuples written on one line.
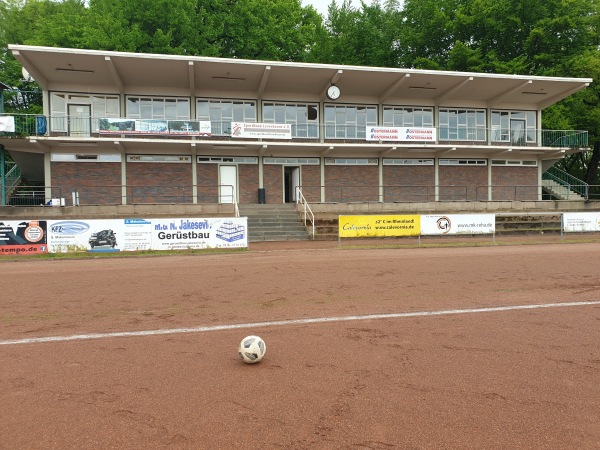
[(127, 128)]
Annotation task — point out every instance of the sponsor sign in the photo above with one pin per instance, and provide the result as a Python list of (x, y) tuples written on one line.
[(153, 126), (261, 130), (401, 134), (7, 124), (25, 237), (581, 222), (452, 224), (147, 234), (379, 226)]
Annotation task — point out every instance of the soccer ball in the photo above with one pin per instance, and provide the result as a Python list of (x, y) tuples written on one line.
[(252, 349)]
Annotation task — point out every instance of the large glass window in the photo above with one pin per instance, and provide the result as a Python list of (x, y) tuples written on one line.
[(515, 127), (399, 116), (158, 108), (101, 106), (304, 118), (462, 125), (348, 122), (222, 112)]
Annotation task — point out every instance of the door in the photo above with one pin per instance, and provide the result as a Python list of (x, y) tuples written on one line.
[(80, 120), (291, 183), (228, 187), (517, 132)]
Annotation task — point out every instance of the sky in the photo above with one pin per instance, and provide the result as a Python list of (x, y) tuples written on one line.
[(320, 5)]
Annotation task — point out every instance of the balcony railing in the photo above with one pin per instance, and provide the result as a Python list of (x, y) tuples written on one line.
[(39, 125), (223, 194)]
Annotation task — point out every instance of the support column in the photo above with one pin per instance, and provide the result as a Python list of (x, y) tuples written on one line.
[(123, 179), (2, 175)]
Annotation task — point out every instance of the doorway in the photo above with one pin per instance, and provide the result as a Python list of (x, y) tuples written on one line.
[(80, 117), (517, 132), (291, 182), (228, 186)]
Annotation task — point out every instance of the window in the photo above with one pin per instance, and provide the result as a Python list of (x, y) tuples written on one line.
[(101, 106), (462, 125), (351, 161), (398, 116), (304, 118), (463, 162), (349, 122), (407, 162), (504, 162), (158, 108), (516, 127), (222, 112)]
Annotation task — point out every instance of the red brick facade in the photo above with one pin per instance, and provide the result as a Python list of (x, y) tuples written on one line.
[(351, 183), (97, 183), (100, 183), (514, 183), (159, 183), (459, 183), (410, 183)]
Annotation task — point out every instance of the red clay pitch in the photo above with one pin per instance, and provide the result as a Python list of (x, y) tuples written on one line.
[(504, 379)]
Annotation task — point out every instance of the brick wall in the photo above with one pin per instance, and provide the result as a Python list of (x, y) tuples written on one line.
[(273, 183), (207, 176), (351, 183), (514, 183), (98, 183), (248, 183), (460, 183), (311, 183), (159, 183), (409, 183)]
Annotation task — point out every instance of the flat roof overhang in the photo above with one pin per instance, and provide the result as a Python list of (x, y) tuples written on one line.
[(73, 70), (330, 149)]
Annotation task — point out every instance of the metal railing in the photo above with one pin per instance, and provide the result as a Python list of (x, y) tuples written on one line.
[(567, 180), (306, 195), (76, 126), (307, 211), (121, 195)]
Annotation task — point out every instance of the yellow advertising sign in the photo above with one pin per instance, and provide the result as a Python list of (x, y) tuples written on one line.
[(379, 226)]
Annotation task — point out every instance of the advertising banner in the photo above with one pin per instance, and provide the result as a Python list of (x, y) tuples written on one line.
[(261, 130), (7, 124), (155, 126), (379, 226), (451, 224), (27, 237), (401, 134), (581, 222), (146, 234)]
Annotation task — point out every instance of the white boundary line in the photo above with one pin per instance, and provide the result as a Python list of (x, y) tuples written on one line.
[(92, 336)]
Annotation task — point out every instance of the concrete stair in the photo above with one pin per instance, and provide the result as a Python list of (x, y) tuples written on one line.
[(274, 222), (559, 191)]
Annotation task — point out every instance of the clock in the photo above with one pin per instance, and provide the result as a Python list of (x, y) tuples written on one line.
[(333, 92)]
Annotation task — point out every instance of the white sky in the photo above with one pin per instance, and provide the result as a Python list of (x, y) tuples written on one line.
[(322, 5)]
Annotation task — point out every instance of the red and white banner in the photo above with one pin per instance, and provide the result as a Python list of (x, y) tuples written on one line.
[(261, 130), (401, 134)]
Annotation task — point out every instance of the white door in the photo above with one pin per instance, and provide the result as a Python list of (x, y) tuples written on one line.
[(227, 184), (295, 183), (80, 120)]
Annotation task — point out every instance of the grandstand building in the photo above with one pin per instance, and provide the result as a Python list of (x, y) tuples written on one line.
[(127, 128)]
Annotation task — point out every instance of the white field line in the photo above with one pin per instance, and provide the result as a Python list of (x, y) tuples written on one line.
[(91, 336)]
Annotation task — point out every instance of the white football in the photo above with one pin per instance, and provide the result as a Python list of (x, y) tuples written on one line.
[(252, 349)]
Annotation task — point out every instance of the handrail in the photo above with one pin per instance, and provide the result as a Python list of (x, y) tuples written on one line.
[(567, 180), (300, 199), (76, 126)]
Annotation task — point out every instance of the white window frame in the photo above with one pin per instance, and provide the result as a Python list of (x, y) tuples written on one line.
[(295, 114), (341, 126), (241, 111), (157, 111), (404, 116), (469, 124)]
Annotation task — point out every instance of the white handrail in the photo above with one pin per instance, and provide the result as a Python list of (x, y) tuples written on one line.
[(300, 199)]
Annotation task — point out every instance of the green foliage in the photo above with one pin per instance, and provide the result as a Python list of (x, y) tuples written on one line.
[(549, 37)]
